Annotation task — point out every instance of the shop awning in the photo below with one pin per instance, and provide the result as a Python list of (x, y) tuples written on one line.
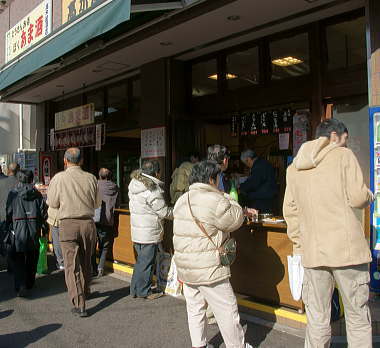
[(102, 19)]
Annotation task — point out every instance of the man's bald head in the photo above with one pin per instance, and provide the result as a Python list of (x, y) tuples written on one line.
[(73, 156), (13, 168), (105, 174)]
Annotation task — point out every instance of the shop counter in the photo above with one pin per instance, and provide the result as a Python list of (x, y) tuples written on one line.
[(123, 246), (260, 270)]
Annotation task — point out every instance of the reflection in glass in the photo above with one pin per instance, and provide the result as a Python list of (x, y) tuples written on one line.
[(290, 57), (97, 97), (346, 44), (204, 78), (243, 68), (117, 99)]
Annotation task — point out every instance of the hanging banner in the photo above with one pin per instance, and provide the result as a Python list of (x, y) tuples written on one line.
[(98, 135), (73, 8), (79, 137), (153, 142), (76, 117), (30, 30)]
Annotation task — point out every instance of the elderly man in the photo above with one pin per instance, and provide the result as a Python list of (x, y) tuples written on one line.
[(75, 193), (324, 186), (148, 210), (260, 188)]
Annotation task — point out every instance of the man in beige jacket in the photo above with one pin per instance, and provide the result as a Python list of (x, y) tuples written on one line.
[(324, 185), (74, 193)]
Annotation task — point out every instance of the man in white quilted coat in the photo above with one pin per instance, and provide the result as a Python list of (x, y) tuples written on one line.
[(148, 210)]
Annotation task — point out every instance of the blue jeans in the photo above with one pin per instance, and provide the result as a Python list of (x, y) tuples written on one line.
[(143, 271)]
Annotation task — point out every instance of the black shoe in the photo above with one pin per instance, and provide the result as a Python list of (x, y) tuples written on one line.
[(21, 292), (81, 312)]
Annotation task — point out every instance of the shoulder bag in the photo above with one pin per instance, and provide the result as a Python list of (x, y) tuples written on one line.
[(227, 251)]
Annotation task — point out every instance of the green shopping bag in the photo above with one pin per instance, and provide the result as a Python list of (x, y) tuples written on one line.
[(42, 267)]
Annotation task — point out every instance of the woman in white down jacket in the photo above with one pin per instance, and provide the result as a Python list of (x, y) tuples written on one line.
[(205, 280), (148, 209)]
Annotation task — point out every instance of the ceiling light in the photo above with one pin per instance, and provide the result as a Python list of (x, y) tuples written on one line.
[(166, 43), (228, 77), (287, 61), (233, 18)]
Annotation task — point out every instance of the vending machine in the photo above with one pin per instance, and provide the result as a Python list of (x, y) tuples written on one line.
[(375, 208)]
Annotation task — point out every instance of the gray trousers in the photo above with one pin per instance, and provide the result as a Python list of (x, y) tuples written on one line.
[(317, 291), (57, 246)]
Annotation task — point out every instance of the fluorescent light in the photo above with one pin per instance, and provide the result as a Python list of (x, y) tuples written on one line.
[(228, 77), (287, 61)]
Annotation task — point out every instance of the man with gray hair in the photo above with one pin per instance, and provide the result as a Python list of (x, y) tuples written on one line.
[(74, 193), (260, 189), (148, 210)]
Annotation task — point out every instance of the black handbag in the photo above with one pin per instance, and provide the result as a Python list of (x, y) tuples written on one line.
[(7, 239)]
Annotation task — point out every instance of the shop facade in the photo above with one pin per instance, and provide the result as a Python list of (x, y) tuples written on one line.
[(203, 73)]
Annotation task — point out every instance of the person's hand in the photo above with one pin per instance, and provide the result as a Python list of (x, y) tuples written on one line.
[(250, 212)]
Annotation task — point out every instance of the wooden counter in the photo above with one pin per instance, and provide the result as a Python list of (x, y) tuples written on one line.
[(260, 269), (123, 247)]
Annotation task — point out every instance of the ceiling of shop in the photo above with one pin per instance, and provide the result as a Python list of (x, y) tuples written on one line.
[(196, 37)]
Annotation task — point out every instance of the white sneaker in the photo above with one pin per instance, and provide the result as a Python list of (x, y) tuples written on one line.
[(247, 345), (61, 267)]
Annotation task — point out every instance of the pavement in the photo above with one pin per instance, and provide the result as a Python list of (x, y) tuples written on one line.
[(43, 319)]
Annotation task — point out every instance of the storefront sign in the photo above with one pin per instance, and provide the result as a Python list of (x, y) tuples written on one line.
[(28, 160), (79, 137), (73, 8), (46, 167), (30, 30), (76, 117), (153, 142), (98, 144)]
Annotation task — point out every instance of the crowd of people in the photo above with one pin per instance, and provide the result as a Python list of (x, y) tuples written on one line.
[(324, 185)]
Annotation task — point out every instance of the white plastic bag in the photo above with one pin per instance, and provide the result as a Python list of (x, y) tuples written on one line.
[(296, 272), (166, 271)]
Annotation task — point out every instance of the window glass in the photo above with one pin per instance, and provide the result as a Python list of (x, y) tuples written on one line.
[(243, 68), (117, 99), (97, 97), (346, 44), (204, 78), (290, 57), (136, 93)]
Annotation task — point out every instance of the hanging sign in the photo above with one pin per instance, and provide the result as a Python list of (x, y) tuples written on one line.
[(79, 116), (80, 137), (153, 142), (98, 135), (30, 30), (300, 127)]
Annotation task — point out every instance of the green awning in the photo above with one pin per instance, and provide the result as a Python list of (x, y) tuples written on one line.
[(97, 23)]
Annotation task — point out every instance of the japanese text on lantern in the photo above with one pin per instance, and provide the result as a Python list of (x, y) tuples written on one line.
[(29, 30)]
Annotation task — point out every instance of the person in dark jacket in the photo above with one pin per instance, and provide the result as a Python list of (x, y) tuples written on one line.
[(7, 184), (26, 217), (104, 217), (260, 188), (220, 155)]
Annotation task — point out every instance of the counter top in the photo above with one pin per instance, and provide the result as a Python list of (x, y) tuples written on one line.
[(123, 210)]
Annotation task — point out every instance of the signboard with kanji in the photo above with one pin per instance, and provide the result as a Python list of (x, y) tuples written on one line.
[(27, 32), (153, 142), (73, 8), (79, 116)]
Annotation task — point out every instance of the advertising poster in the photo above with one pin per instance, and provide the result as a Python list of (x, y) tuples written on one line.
[(153, 142)]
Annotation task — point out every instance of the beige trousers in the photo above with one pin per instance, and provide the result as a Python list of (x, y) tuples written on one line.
[(78, 238), (222, 301), (316, 294)]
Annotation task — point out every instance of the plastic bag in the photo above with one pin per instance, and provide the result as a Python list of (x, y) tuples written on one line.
[(42, 267), (296, 272), (167, 278)]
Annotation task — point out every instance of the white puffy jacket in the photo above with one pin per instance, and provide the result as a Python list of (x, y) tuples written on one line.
[(148, 208), (196, 258)]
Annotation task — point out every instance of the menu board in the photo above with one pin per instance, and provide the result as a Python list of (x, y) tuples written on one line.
[(79, 116), (153, 142)]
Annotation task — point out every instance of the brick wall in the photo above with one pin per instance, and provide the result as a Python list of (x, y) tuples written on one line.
[(17, 10)]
